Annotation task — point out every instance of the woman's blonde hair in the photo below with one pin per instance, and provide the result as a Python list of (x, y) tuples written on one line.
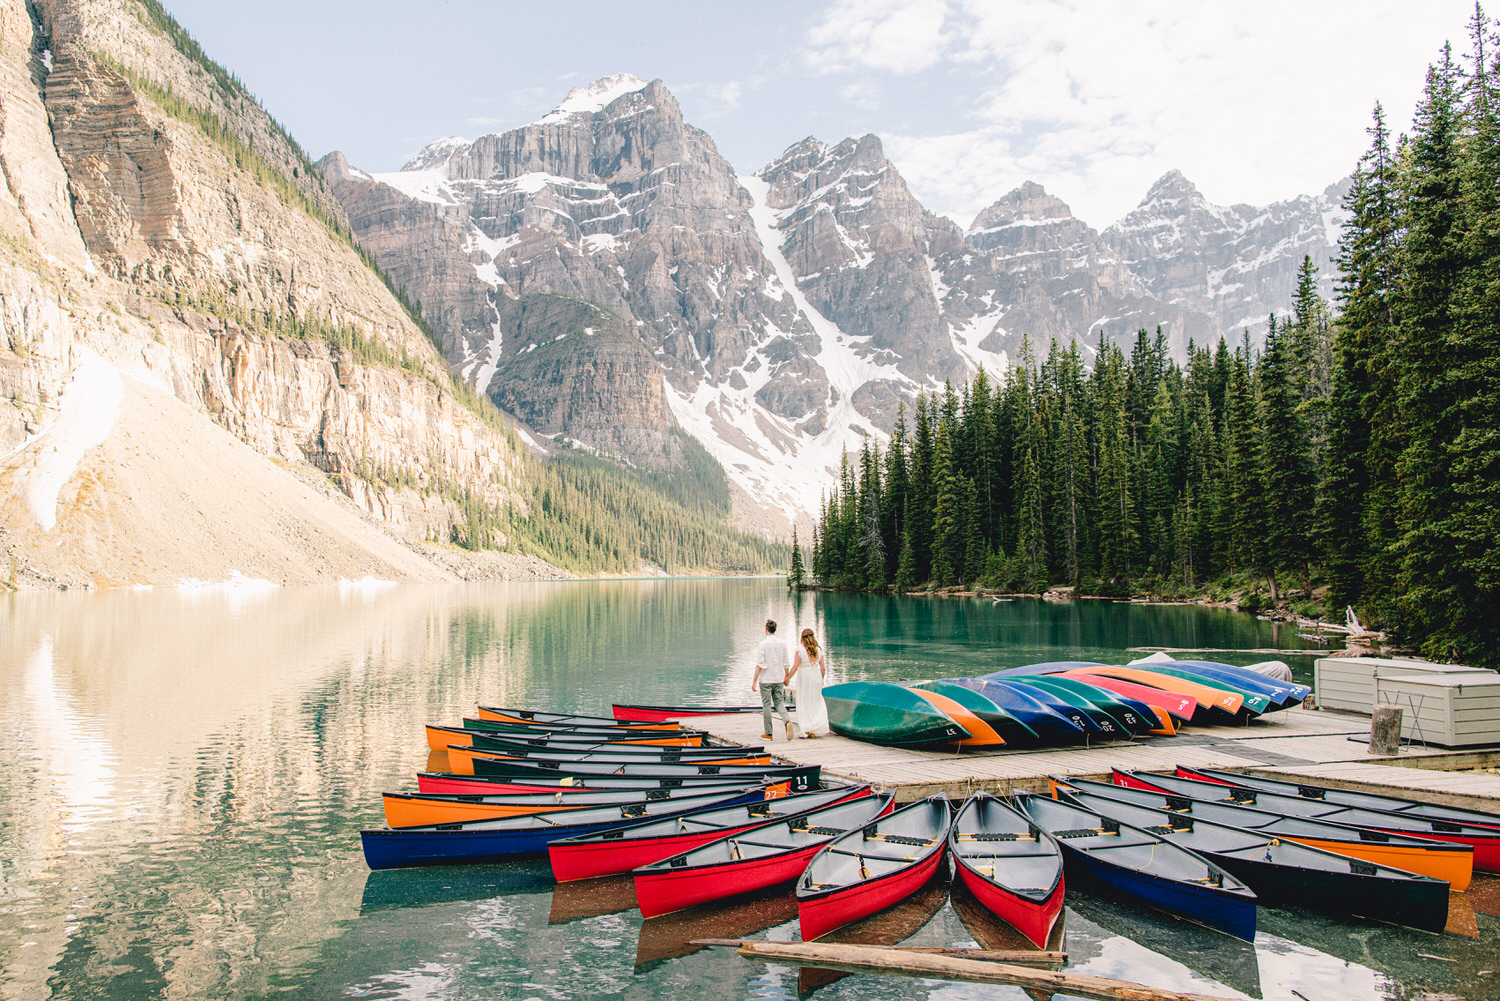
[(810, 644)]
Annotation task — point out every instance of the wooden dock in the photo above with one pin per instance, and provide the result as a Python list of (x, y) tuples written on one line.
[(1320, 745)]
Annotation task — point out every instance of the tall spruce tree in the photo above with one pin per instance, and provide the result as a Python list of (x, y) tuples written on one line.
[(1286, 468), (796, 575), (1429, 601), (1356, 504)]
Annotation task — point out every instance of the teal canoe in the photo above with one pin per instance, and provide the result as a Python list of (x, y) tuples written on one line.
[(1016, 733), (879, 713)]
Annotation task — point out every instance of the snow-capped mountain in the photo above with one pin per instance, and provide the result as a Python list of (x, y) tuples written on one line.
[(605, 276)]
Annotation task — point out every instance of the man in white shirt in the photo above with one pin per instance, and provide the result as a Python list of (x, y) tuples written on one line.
[(772, 658)]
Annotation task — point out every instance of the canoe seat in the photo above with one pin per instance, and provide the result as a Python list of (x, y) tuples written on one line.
[(996, 837), (1086, 832), (825, 831), (1168, 829), (900, 839)]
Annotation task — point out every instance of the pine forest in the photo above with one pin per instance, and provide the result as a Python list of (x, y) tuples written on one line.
[(1354, 457)]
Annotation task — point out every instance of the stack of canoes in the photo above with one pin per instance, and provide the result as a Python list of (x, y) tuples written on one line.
[(518, 780), (601, 797), (1054, 704)]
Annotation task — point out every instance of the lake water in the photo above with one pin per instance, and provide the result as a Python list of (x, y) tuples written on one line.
[(183, 776)]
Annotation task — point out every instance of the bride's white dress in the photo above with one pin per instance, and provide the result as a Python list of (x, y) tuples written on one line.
[(812, 711)]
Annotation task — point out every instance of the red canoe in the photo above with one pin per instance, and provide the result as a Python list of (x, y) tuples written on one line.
[(1010, 865), (1178, 705), (869, 869), (770, 855), (664, 714), (610, 852)]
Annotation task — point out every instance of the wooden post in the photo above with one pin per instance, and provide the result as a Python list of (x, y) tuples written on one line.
[(870, 959), (1385, 730)]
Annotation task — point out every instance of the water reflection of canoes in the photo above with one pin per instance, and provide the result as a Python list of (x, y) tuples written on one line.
[(888, 927), (992, 932), (388, 888), (1452, 965), (1232, 962), (670, 935), (589, 898)]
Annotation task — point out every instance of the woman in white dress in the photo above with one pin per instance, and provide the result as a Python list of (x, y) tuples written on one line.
[(808, 670)]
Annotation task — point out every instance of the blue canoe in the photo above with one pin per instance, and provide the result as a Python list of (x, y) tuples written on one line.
[(1286, 693), (1054, 722), (484, 840), (1145, 867)]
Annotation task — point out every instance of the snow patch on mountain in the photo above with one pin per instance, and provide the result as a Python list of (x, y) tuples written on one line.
[(595, 97)]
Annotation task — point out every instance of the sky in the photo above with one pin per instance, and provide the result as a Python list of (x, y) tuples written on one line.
[(1092, 99)]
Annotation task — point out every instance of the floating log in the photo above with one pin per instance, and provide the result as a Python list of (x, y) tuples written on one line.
[(1040, 984), (1023, 957)]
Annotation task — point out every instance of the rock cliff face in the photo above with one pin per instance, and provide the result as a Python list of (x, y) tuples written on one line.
[(159, 223), (781, 317)]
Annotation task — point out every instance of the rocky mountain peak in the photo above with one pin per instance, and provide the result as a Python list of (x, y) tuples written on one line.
[(1171, 187), (1026, 220), (596, 96), (436, 154)]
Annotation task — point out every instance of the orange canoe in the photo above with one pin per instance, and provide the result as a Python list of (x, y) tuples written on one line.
[(981, 734)]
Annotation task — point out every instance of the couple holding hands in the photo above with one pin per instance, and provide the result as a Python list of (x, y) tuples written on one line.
[(776, 667)]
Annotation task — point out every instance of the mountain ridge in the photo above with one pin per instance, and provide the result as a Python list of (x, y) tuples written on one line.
[(788, 313)]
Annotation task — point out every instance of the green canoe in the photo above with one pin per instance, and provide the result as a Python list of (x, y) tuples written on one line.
[(887, 714), (1016, 733)]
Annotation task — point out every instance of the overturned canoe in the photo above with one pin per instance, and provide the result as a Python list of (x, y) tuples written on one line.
[(1012, 730), (879, 713)]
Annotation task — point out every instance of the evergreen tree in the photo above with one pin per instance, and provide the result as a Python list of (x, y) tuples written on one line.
[(1286, 470), (797, 575), (945, 511), (1356, 502), (921, 510), (1429, 398)]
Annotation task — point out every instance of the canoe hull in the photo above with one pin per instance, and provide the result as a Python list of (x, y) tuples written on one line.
[(885, 714), (1232, 916), (663, 888), (1034, 919), (802, 777), (399, 848), (446, 784), (817, 916), (587, 858)]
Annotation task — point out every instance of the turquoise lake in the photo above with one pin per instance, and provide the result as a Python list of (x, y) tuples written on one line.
[(184, 775)]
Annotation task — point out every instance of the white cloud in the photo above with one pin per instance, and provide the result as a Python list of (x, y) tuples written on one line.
[(726, 95), (900, 36), (863, 94), (1097, 98)]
